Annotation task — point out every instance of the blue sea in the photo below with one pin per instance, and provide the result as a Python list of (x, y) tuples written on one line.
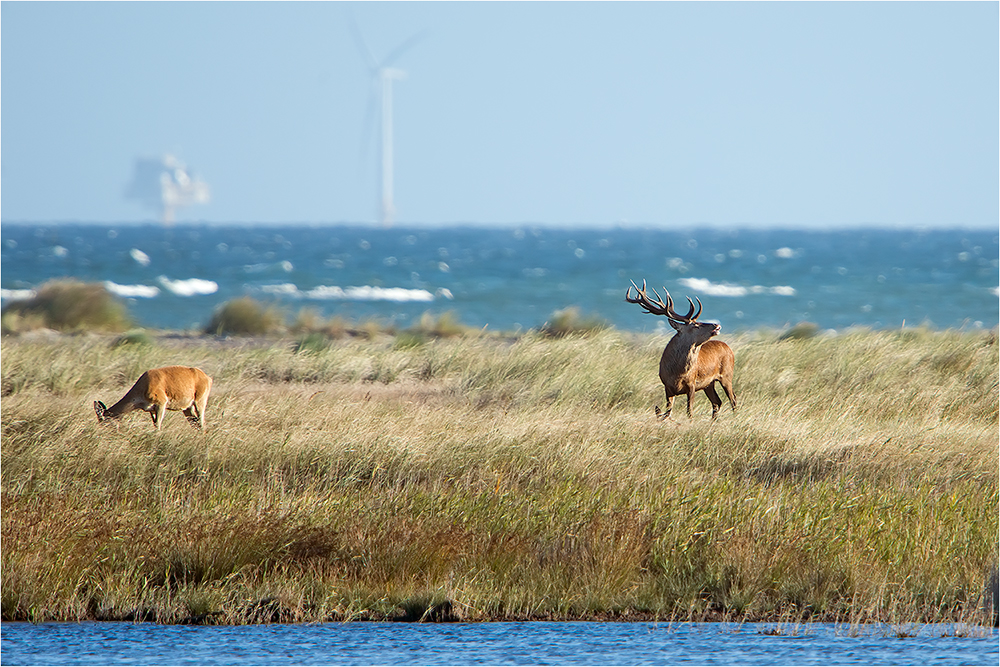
[(516, 278)]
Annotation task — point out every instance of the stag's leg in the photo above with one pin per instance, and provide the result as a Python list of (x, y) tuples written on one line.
[(666, 409), (727, 386), (714, 398), (690, 396)]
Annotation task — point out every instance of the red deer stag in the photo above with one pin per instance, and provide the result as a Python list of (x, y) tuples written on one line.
[(161, 389), (691, 362)]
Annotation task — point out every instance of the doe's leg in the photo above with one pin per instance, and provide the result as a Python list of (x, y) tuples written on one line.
[(194, 416), (159, 409)]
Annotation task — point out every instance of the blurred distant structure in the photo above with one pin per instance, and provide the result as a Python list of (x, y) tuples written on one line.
[(382, 77), (165, 184)]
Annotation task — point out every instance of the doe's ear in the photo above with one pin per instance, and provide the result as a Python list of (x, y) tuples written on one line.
[(99, 408)]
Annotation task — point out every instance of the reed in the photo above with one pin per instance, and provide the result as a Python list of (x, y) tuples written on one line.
[(479, 477)]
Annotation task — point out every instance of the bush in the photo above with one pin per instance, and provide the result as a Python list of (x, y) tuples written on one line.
[(309, 321), (569, 321), (245, 317), (313, 342), (67, 305), (801, 331), (445, 325), (138, 337)]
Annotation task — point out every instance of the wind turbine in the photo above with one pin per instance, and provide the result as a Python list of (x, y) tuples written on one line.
[(383, 74)]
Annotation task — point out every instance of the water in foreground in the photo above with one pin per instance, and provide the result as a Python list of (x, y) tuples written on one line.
[(579, 643)]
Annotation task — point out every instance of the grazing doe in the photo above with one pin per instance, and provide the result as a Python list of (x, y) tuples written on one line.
[(691, 362), (161, 389)]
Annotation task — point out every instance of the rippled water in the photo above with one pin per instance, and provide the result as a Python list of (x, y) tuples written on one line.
[(506, 279), (580, 643)]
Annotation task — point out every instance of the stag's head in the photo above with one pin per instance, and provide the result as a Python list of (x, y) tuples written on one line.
[(686, 325)]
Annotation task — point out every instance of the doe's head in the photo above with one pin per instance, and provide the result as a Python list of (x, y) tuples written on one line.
[(102, 411)]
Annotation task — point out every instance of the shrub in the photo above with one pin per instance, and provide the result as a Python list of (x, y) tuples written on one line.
[(309, 321), (372, 329), (67, 305), (800, 331), (445, 325), (245, 317), (569, 321), (137, 337), (312, 342)]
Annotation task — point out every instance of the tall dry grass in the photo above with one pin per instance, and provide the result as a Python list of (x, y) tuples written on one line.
[(480, 477)]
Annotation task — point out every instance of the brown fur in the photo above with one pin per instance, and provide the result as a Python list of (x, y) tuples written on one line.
[(691, 362), (161, 389), (687, 367)]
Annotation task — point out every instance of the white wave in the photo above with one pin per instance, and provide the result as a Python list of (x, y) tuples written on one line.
[(132, 291), (139, 256), (189, 287), (284, 289), (369, 293), (706, 286), (255, 268), (363, 293), (17, 294)]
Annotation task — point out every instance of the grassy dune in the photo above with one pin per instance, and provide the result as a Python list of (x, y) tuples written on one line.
[(484, 478)]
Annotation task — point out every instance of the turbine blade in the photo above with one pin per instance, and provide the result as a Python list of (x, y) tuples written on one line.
[(369, 127), (403, 48), (359, 41)]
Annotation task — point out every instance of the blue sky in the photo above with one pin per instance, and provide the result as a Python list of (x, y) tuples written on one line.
[(811, 115)]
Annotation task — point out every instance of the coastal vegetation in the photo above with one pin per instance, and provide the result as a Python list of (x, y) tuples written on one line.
[(66, 304), (350, 473)]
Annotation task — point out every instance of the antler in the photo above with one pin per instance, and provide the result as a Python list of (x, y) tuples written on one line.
[(689, 317), (657, 307), (652, 307)]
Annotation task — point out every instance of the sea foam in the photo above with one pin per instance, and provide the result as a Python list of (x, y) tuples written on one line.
[(355, 293), (706, 286), (132, 291), (16, 294), (189, 287)]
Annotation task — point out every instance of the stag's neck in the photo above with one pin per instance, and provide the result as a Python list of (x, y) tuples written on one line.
[(681, 356)]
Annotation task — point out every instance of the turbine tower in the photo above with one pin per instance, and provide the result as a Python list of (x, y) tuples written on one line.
[(383, 74), (388, 209)]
